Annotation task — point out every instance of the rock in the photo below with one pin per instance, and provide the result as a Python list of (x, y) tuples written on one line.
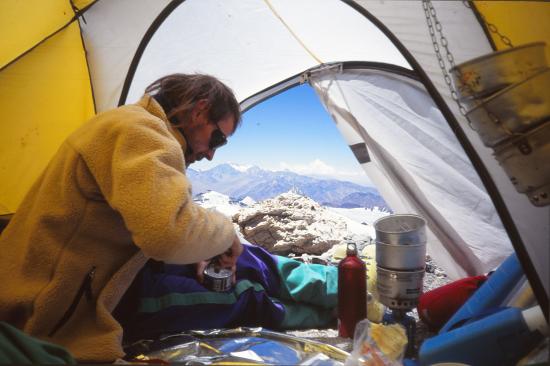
[(291, 223)]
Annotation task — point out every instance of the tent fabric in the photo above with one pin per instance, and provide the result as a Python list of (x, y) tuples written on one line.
[(233, 47), (112, 33), (406, 20), (414, 150), (517, 28), (43, 98), (29, 22)]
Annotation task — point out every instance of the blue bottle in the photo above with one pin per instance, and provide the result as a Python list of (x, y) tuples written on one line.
[(491, 294)]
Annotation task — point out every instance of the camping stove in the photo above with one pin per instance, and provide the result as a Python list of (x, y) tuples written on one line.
[(401, 261), (400, 267), (399, 290)]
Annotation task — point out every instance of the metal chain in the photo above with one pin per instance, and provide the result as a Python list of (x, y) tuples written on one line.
[(492, 28), (433, 26)]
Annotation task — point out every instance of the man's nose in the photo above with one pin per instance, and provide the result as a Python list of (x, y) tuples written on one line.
[(210, 154)]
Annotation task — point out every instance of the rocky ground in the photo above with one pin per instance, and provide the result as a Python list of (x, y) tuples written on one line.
[(293, 224)]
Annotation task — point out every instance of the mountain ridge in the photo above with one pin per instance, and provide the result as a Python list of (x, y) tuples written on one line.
[(260, 184)]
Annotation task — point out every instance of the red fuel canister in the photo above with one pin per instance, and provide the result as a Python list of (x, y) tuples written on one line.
[(352, 292)]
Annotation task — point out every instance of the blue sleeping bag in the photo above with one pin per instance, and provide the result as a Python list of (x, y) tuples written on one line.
[(272, 291)]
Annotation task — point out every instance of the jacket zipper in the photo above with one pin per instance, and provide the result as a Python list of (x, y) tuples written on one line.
[(85, 289)]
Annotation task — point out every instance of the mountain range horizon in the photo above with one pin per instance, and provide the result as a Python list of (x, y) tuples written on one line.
[(239, 181)]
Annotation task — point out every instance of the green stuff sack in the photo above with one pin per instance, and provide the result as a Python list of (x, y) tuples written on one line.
[(17, 347)]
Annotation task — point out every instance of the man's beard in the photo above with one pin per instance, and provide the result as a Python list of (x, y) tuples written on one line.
[(188, 153)]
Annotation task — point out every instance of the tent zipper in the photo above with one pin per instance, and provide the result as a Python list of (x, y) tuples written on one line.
[(85, 288)]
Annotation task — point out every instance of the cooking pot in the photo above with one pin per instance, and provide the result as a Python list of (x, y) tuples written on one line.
[(485, 75), (526, 161), (513, 110)]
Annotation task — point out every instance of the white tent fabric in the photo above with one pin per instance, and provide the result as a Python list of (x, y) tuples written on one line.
[(407, 21), (112, 31), (422, 168), (253, 44)]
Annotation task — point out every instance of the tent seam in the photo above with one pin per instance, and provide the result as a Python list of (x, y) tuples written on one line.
[(483, 25), (268, 3), (155, 25), (75, 17), (86, 58)]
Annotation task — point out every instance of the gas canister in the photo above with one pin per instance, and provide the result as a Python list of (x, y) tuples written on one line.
[(217, 279)]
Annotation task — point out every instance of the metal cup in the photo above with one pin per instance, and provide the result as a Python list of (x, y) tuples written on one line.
[(401, 242)]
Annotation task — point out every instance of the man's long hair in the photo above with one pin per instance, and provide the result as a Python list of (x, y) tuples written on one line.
[(180, 92)]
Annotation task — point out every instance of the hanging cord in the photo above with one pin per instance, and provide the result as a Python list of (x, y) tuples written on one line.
[(268, 3)]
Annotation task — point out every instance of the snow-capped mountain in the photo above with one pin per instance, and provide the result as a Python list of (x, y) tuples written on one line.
[(222, 203), (239, 181)]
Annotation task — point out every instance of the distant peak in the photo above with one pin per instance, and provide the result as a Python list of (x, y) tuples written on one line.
[(248, 201), (296, 190), (240, 167)]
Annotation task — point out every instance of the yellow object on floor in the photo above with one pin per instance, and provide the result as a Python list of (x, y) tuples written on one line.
[(368, 254), (390, 339), (375, 310)]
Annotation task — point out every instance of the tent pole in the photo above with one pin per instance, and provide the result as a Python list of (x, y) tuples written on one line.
[(143, 45)]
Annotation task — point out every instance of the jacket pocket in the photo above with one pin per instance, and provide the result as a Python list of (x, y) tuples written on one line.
[(85, 289)]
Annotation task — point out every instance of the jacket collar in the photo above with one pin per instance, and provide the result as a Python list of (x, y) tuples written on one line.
[(152, 106)]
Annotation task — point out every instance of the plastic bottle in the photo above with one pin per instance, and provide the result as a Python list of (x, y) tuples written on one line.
[(352, 292)]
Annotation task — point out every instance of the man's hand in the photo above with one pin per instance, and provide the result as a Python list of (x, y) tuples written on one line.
[(228, 259), (201, 266)]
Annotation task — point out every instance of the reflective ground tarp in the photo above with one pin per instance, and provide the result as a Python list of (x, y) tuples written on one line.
[(243, 346)]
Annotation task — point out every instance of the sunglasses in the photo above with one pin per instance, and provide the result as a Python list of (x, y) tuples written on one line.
[(217, 139)]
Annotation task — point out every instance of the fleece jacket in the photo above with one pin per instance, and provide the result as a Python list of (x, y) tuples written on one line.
[(114, 195)]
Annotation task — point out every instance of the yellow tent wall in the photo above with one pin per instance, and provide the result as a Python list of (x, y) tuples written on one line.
[(521, 21), (44, 95), (24, 24)]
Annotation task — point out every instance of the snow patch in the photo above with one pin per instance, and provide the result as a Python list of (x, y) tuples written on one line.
[(248, 201), (362, 219), (217, 201)]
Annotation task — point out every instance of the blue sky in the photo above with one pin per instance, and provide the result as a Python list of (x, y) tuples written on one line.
[(291, 131)]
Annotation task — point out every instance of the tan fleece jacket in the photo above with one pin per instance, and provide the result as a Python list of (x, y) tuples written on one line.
[(114, 195)]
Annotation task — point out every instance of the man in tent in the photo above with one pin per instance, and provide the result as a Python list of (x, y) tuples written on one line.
[(114, 195)]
